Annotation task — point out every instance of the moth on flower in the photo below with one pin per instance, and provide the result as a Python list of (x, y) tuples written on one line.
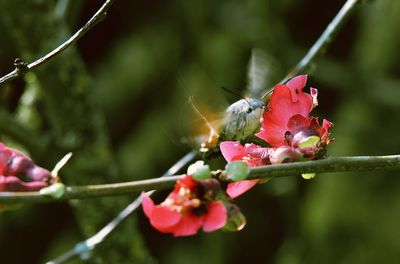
[(241, 120), (287, 127)]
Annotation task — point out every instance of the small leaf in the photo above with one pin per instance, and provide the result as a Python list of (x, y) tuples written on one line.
[(308, 176), (237, 171), (61, 164), (55, 190)]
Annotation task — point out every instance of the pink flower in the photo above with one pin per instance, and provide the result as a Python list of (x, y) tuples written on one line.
[(190, 206), (252, 154), (19, 173), (287, 121), (287, 127)]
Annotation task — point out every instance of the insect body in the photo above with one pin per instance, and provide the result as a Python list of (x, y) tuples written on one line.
[(242, 119)]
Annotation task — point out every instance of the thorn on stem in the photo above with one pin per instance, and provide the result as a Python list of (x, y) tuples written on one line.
[(20, 66)]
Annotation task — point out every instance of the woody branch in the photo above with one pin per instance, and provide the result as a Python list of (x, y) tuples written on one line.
[(332, 164)]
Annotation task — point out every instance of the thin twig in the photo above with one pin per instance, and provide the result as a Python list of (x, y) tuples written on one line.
[(333, 164), (96, 18), (321, 43)]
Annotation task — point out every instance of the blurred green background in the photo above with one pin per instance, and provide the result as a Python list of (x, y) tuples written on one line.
[(118, 100)]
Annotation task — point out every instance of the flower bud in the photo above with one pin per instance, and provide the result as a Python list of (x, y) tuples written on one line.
[(18, 173), (237, 171), (236, 221), (199, 170), (209, 189)]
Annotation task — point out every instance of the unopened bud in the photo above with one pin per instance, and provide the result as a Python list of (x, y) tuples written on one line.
[(236, 221), (237, 171), (199, 170)]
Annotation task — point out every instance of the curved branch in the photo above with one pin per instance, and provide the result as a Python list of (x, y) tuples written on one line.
[(333, 164), (92, 191), (22, 68), (321, 43)]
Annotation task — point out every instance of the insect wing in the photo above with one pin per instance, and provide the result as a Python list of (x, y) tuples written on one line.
[(260, 71)]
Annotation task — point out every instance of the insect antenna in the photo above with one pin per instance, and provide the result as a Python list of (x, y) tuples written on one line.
[(235, 93)]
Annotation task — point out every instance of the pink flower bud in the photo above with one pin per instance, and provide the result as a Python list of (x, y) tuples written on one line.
[(18, 173)]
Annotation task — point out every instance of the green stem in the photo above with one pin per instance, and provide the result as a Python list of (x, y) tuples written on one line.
[(332, 164), (92, 191)]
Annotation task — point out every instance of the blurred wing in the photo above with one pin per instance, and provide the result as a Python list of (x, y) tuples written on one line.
[(204, 122), (259, 70)]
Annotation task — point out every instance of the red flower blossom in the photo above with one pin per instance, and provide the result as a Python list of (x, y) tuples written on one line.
[(190, 206), (287, 127), (287, 121), (19, 173)]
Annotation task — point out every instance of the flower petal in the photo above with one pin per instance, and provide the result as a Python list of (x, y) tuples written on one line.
[(232, 150), (250, 153), (186, 182), (5, 156), (147, 204), (284, 154), (188, 225), (296, 85), (14, 184), (297, 123), (285, 102), (236, 189), (215, 218), (314, 95), (326, 125), (161, 217)]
